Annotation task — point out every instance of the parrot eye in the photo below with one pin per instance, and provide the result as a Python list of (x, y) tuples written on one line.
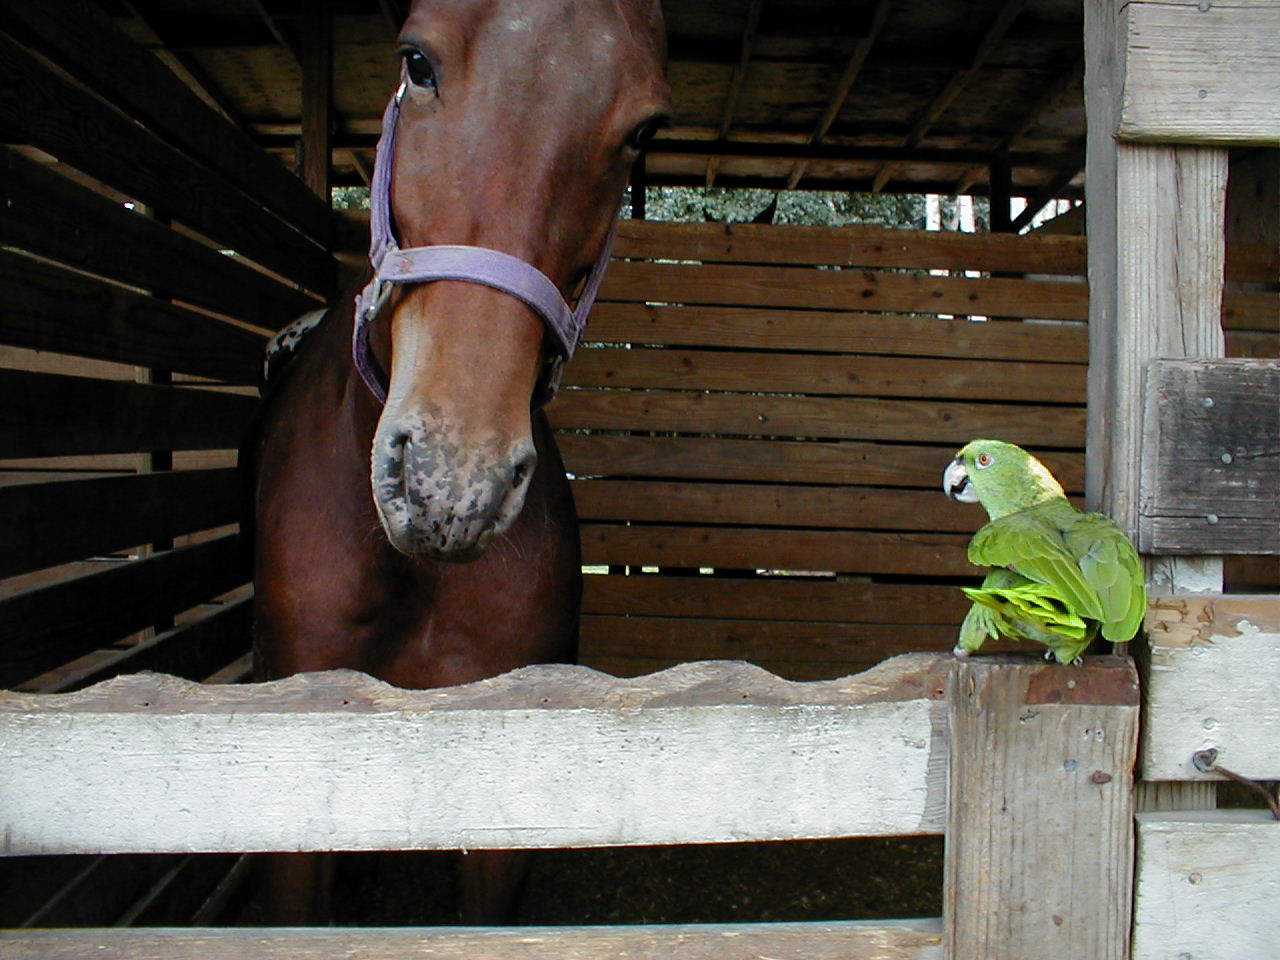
[(984, 460)]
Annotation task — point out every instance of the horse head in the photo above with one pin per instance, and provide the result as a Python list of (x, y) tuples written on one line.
[(514, 131)]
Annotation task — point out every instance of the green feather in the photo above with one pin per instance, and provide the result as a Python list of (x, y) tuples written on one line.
[(1059, 576)]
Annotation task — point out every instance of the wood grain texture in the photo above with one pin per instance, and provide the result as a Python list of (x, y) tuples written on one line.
[(57, 116), (1211, 458), (1199, 72), (543, 757), (1207, 886), (1214, 682), (1039, 855), (849, 940)]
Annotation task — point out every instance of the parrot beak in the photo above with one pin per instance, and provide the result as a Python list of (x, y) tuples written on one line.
[(956, 483)]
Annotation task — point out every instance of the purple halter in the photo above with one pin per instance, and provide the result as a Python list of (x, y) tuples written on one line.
[(391, 265)]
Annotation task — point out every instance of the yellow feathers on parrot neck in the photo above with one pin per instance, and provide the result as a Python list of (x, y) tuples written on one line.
[(1058, 576)]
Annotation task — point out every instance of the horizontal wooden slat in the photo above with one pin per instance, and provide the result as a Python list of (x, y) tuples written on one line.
[(1200, 73), (1212, 685), (828, 375), (736, 548), (769, 597), (49, 416), (755, 328), (49, 215), (1207, 885), (46, 626), (853, 245), (81, 38), (47, 308), (340, 761), (708, 458), (55, 115), (844, 290), (82, 518), (773, 505), (846, 940), (840, 648), (193, 649), (818, 417)]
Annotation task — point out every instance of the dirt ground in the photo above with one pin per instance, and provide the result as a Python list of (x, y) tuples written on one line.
[(812, 880)]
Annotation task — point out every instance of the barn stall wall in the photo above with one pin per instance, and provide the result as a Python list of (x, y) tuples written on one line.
[(811, 418)]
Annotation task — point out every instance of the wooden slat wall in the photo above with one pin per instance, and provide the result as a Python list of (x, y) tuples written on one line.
[(776, 405), (130, 342)]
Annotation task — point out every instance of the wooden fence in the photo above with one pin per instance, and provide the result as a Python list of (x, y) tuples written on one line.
[(759, 422)]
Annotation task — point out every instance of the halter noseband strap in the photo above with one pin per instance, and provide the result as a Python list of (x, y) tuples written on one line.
[(391, 265)]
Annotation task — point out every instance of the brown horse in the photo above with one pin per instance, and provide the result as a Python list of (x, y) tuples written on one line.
[(431, 540)]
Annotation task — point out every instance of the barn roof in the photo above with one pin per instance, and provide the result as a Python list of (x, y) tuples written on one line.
[(893, 95)]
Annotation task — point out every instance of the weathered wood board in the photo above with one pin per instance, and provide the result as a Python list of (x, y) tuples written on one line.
[(1214, 681), (1211, 458), (1208, 886), (1201, 72), (550, 756), (851, 940), (1040, 809)]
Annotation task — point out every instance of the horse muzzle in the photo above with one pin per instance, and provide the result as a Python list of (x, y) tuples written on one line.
[(440, 498)]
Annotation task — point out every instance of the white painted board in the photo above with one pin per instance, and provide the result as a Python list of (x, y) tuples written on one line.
[(1208, 886), (1214, 682), (550, 756)]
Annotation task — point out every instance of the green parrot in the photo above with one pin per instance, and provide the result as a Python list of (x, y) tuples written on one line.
[(1058, 576)]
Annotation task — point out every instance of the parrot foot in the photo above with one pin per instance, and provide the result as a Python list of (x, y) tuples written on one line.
[(1048, 654), (960, 652)]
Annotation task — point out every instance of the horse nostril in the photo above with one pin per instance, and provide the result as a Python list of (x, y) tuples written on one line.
[(523, 470)]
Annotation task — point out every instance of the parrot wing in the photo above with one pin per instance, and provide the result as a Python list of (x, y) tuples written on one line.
[(1028, 543), (1111, 566)]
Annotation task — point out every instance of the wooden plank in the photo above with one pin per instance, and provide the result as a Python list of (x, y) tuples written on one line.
[(831, 649), (80, 518), (730, 284), (48, 308), (316, 60), (969, 379), (81, 38), (60, 118), (736, 548), (53, 217), (1211, 458), (773, 597), (1198, 72), (711, 458), (854, 418), (49, 416), (194, 649), (1207, 885), (836, 332), (1213, 675), (45, 626), (838, 940), (1043, 866), (854, 245), (152, 763), (846, 508)]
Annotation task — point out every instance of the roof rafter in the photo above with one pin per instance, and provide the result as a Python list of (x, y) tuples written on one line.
[(955, 85), (844, 85), (735, 83)]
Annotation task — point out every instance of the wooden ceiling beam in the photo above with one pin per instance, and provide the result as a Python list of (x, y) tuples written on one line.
[(956, 84), (1049, 192), (848, 76), (1052, 93), (283, 39), (735, 83)]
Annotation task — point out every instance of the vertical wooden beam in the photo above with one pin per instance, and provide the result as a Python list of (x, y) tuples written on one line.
[(639, 181), (1039, 849), (317, 95), (1001, 180)]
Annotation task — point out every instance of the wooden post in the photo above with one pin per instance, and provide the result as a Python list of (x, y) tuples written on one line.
[(1040, 810), (317, 95), (1001, 180)]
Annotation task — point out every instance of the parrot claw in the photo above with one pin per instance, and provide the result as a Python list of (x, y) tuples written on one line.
[(960, 652), (1048, 654)]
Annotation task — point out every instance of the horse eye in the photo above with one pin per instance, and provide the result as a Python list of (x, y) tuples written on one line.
[(643, 133), (421, 73)]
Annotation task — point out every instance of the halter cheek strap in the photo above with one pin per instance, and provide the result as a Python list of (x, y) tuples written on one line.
[(492, 268)]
